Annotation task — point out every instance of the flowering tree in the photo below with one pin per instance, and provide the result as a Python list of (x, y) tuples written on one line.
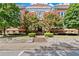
[(30, 22), (51, 21)]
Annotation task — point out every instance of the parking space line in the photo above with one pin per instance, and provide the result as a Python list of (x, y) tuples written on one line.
[(21, 53)]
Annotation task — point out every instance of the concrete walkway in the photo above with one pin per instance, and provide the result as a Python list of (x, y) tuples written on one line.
[(39, 39)]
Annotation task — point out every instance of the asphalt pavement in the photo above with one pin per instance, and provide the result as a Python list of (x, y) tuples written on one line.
[(42, 53)]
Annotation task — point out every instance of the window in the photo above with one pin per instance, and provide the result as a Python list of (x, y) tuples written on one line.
[(61, 13)]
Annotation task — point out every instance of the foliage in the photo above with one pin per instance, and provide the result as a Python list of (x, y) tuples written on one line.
[(71, 19), (52, 20), (48, 34), (9, 15), (31, 34), (30, 22), (49, 21)]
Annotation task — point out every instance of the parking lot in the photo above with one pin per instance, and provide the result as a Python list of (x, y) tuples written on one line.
[(42, 53), (55, 46)]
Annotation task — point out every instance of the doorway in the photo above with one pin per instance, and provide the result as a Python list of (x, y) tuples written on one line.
[(39, 31)]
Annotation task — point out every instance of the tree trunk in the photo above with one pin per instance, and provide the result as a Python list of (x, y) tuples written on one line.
[(26, 31), (4, 34), (78, 31)]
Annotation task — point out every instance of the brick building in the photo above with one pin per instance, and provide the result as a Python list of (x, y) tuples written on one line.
[(41, 9), (60, 9)]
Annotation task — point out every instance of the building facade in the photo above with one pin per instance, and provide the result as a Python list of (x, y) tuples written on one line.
[(61, 9), (39, 9)]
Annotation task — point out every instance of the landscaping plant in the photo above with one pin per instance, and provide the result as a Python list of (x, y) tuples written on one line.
[(48, 34), (31, 34)]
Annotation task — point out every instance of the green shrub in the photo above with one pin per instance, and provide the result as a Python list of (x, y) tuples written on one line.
[(48, 34), (32, 34)]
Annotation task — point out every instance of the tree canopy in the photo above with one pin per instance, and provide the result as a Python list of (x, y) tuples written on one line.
[(9, 15), (30, 22), (47, 23), (71, 19), (52, 21)]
